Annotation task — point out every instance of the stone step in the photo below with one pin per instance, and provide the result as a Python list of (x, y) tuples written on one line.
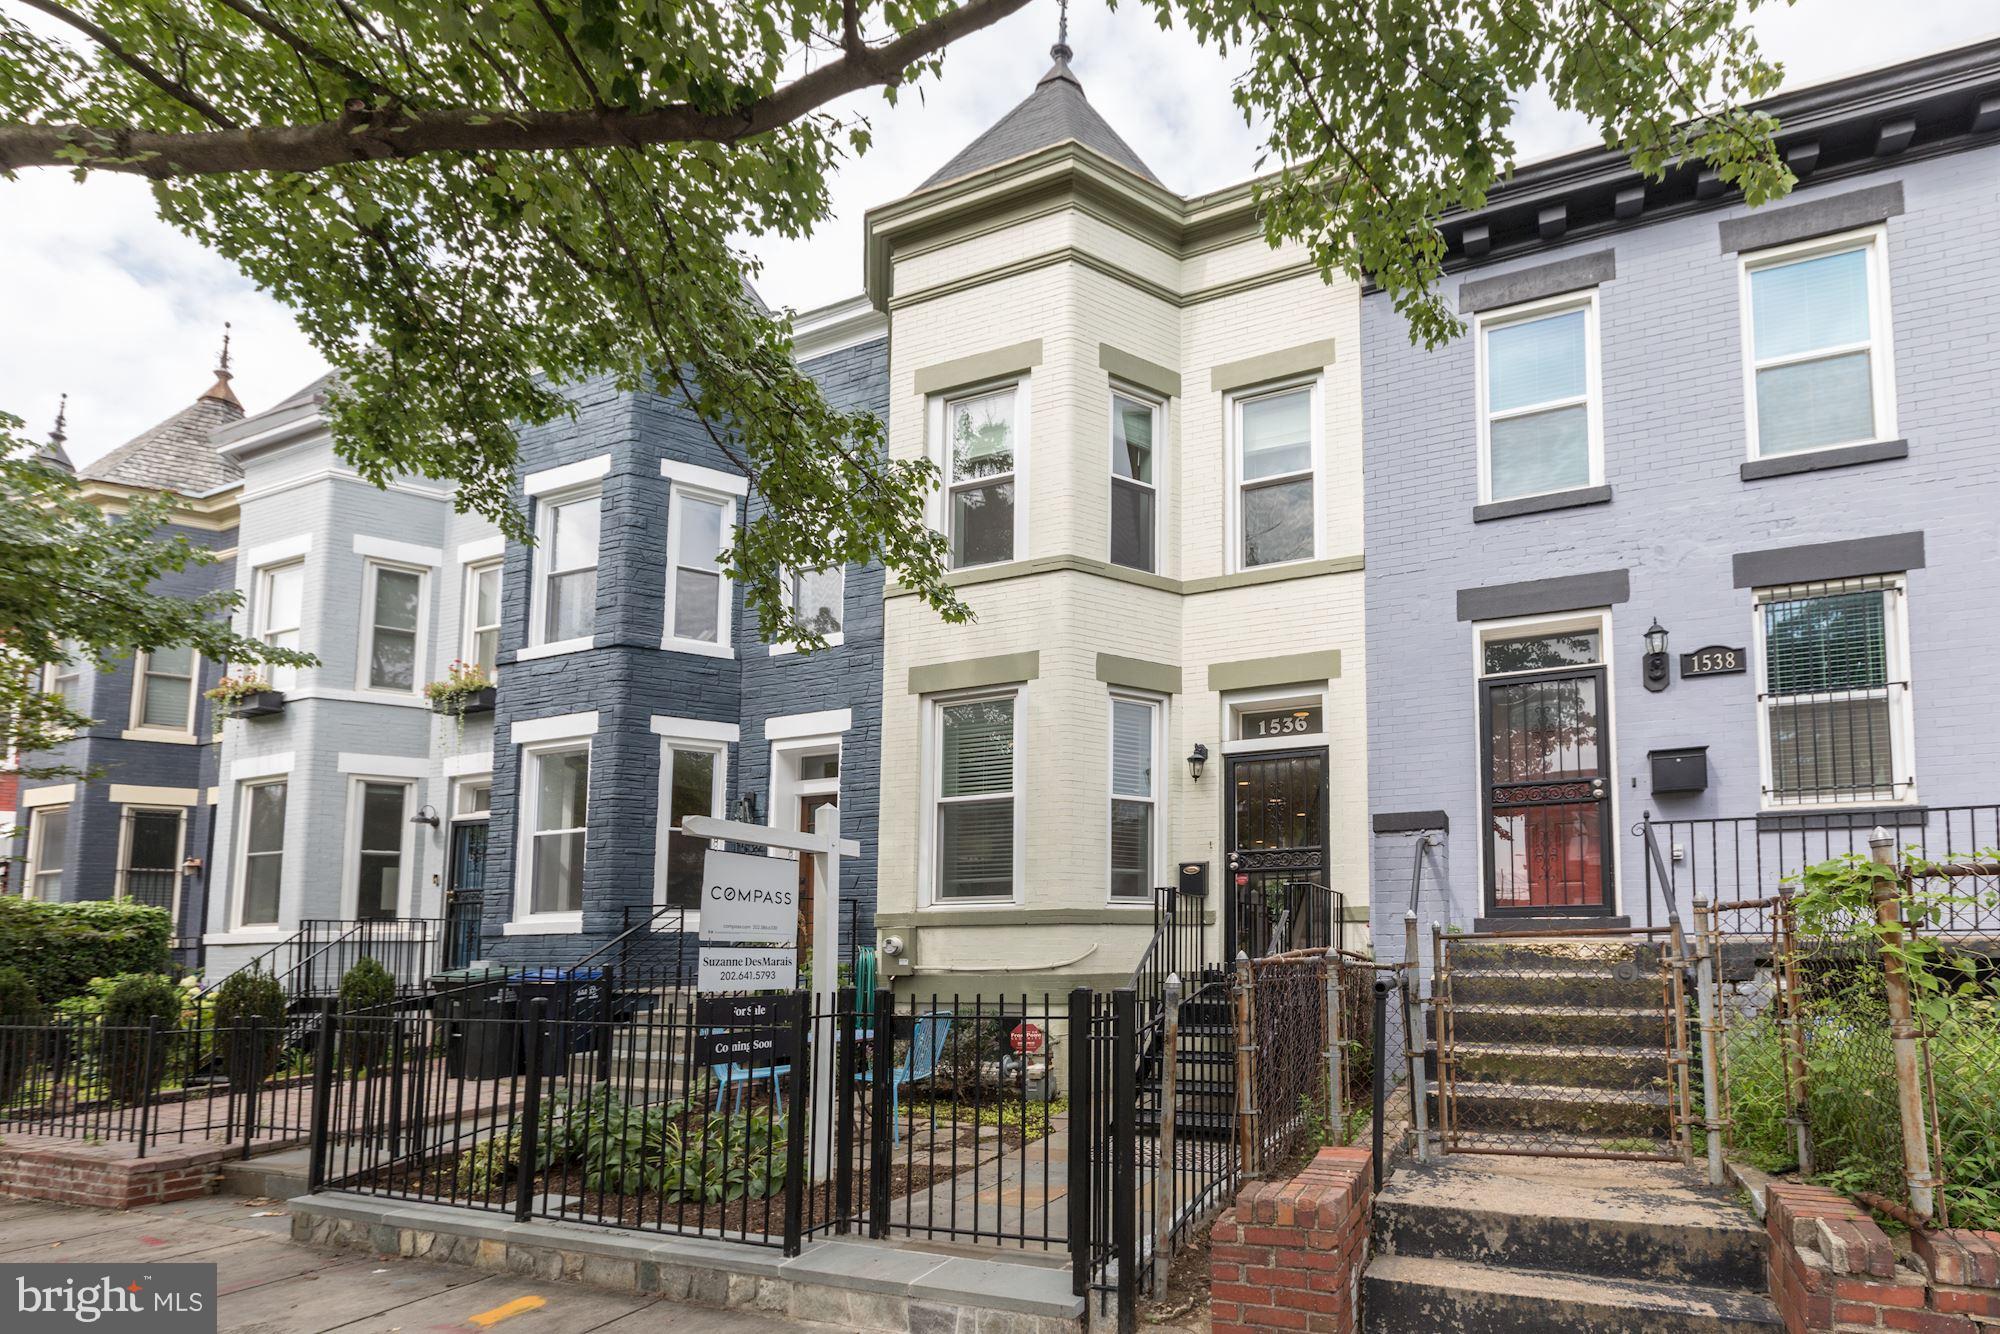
[(1586, 1067), (1560, 1109), (1422, 1295), (1597, 1026), (1616, 1220), (1568, 988)]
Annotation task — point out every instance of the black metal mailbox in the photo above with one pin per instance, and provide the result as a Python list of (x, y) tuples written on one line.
[(1681, 770)]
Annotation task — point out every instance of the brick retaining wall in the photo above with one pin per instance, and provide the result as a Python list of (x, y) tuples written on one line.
[(1833, 1268), (1289, 1255), (106, 1176)]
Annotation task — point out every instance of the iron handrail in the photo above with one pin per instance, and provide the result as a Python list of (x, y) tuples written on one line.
[(623, 939), (302, 969)]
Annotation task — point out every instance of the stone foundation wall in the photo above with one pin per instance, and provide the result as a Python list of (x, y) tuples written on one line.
[(1833, 1269), (1289, 1255)]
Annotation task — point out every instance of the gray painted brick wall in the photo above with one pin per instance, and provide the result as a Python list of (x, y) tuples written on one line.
[(1674, 437)]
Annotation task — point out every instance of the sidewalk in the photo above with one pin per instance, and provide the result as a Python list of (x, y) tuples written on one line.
[(268, 1285)]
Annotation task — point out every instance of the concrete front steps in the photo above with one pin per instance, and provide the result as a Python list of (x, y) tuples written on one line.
[(1541, 1246)]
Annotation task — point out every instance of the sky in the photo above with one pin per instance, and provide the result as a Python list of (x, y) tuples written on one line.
[(101, 300)]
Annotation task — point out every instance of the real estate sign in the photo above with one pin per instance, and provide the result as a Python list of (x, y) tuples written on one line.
[(749, 900), (747, 968)]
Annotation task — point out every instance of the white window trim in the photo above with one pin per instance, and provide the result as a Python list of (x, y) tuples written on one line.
[(940, 451), (825, 722), (364, 654), (468, 620), (678, 493), (471, 764), (37, 830), (285, 678), (1158, 486), (1902, 712), (932, 781), (52, 674), (464, 783), (662, 826), (581, 476), (528, 801), (546, 505), (121, 888), (1232, 451), (1880, 345), (480, 550), (350, 878), (787, 787), (555, 727), (834, 640), (1593, 385), (240, 836), (698, 478), (1158, 798), (1313, 694), (142, 662), (397, 553), (1519, 627)]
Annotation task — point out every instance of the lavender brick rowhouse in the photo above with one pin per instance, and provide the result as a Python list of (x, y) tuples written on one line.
[(1769, 430)]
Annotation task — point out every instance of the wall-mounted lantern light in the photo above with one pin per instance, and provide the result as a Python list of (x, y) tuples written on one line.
[(1197, 761), (191, 866), (1656, 676), (427, 815)]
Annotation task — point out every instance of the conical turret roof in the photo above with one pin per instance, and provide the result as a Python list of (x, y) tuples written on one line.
[(1055, 112)]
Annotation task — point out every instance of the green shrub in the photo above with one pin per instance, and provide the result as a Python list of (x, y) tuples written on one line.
[(366, 993), (245, 1000), (20, 1007), (486, 1169), (63, 946), (133, 1065)]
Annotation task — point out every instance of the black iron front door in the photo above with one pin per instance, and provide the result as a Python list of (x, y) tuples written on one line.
[(1277, 850), (465, 898), (1547, 794)]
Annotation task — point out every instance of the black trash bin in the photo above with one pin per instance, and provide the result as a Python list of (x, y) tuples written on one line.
[(475, 1004), (579, 1004)]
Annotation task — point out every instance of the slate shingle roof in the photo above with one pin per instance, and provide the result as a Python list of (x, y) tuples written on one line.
[(1056, 111), (176, 454)]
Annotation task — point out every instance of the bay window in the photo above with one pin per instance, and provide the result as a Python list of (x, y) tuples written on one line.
[(566, 568), (163, 695), (480, 645), (976, 798), (376, 856), (1820, 373), (64, 676), (699, 530), (390, 628), (981, 444), (1135, 425), (1539, 410), (555, 783), (260, 872), (48, 835), (1135, 796), (692, 774), (280, 612), (1277, 434)]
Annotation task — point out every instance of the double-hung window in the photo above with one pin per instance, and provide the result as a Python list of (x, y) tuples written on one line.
[(976, 782), (1135, 423), (164, 697), (1835, 693), (262, 837), (1819, 367), (49, 832), (566, 568), (817, 598), (64, 676), (1539, 406), (395, 603), (692, 776), (480, 646), (1135, 796), (377, 856), (982, 447), (280, 608), (556, 783), (1277, 443), (150, 870), (699, 529)]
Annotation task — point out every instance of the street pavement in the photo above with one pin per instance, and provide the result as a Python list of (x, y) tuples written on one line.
[(267, 1285)]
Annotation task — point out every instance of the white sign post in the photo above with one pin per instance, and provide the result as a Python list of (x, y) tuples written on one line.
[(825, 845)]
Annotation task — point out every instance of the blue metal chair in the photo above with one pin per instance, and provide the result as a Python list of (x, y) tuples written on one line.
[(927, 1041)]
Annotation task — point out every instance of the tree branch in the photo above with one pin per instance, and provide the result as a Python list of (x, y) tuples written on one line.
[(404, 132), (173, 88)]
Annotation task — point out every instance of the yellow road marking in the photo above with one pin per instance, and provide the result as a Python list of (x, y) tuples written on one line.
[(486, 1319)]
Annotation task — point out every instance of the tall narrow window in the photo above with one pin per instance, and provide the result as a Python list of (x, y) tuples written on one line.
[(1819, 364), (50, 828), (1538, 425), (481, 645), (1134, 497), (151, 872), (64, 677), (980, 468), (166, 689), (975, 798), (566, 559), (558, 781), (694, 787), (378, 849), (817, 597), (698, 593), (1836, 694), (1134, 796), (1274, 470), (395, 598), (263, 839), (280, 608)]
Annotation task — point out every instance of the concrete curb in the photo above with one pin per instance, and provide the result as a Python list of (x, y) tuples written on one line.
[(861, 1285)]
